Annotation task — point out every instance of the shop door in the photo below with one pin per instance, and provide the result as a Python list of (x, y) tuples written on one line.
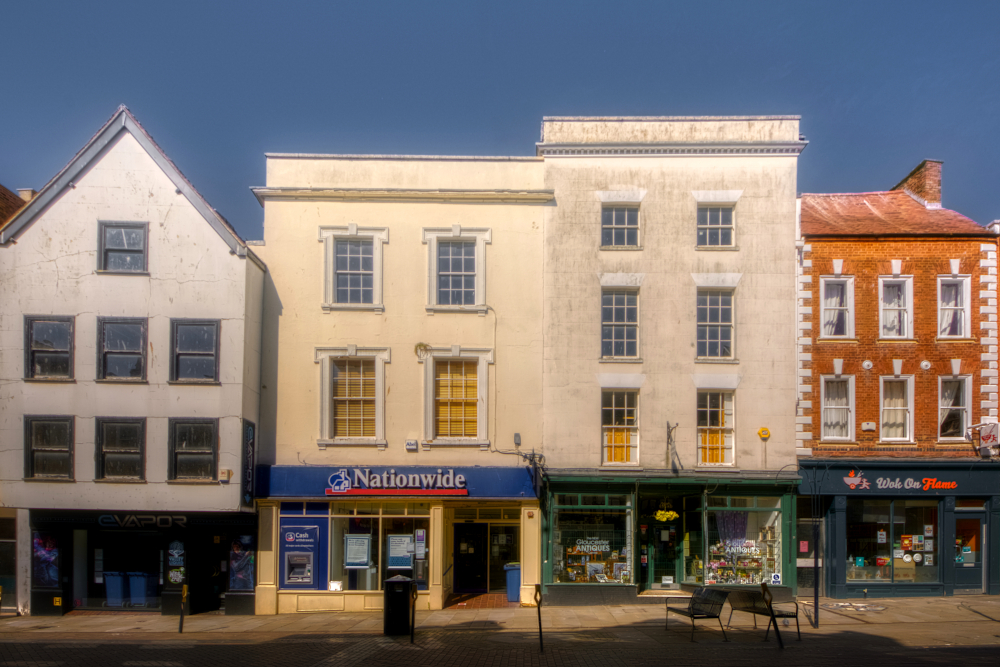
[(970, 545), (471, 557), (504, 548)]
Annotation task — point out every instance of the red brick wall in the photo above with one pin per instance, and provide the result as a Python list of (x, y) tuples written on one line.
[(866, 260), (924, 181)]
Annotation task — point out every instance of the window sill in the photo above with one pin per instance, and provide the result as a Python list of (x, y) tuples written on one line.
[(106, 480), (51, 380), (837, 339), (204, 383), (373, 307), (960, 442), (481, 310), (955, 339), (710, 360), (895, 443), (117, 381), (195, 482), (626, 248), (620, 466), (60, 480), (716, 466), (896, 340), (620, 360), (102, 272), (351, 442), (839, 443), (722, 248), (456, 442)]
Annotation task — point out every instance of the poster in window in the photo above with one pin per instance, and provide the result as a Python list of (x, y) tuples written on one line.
[(906, 542), (918, 542), (241, 559), (928, 559), (929, 530), (928, 544), (881, 537), (45, 557), (357, 551), (401, 552), (421, 549)]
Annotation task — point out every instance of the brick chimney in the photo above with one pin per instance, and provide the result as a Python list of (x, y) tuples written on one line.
[(924, 182)]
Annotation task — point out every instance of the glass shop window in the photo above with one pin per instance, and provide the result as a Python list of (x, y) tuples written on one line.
[(404, 549), (354, 550), (743, 547), (903, 550), (592, 546), (868, 534), (915, 541)]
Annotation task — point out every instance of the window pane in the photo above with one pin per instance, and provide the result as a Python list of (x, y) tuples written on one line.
[(122, 436), (195, 437), (915, 525), (193, 465), (952, 413), (895, 409), (592, 546), (50, 335), (195, 368), (123, 261), (50, 434), (196, 337), (744, 547), (50, 364), (122, 337), (123, 366), (51, 463), (124, 238), (868, 546), (122, 464)]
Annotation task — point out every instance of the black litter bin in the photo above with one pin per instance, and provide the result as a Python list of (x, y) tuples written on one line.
[(398, 605)]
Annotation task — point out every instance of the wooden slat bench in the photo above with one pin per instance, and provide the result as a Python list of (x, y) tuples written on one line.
[(704, 603), (752, 602)]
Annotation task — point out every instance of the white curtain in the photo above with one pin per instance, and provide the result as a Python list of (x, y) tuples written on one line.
[(893, 308), (835, 310), (836, 409), (952, 408), (951, 310), (894, 409)]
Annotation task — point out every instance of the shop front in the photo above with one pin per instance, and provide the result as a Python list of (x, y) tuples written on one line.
[(337, 533), (611, 542), (897, 529), (140, 561)]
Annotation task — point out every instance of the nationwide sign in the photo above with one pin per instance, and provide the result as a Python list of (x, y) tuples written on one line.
[(364, 482)]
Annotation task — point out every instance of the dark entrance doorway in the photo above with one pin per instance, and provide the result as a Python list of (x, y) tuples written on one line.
[(970, 552), (504, 549), (471, 557)]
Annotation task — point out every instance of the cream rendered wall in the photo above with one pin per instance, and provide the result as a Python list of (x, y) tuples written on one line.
[(764, 304), (291, 396), (50, 269)]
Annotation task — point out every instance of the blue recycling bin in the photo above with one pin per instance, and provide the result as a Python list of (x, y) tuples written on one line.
[(137, 586), (513, 571), (114, 586)]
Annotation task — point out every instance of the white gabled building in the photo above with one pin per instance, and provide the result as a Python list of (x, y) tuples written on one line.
[(130, 329)]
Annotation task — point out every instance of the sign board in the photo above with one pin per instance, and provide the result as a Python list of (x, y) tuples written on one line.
[(249, 454), (969, 478), (400, 552), (357, 552)]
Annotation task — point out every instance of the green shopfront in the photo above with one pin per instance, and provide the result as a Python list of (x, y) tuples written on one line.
[(620, 540), (905, 528)]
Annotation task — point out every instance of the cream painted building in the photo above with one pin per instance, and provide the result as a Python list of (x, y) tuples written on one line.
[(402, 386), (669, 371), (130, 337)]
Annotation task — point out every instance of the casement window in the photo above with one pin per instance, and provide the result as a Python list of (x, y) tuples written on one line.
[(715, 323), (48, 446), (896, 307), (48, 348), (954, 413), (457, 263), (620, 227), (897, 409), (954, 297), (194, 445), (619, 323), (620, 425), (123, 247), (715, 226), (715, 428), (121, 349), (121, 448), (353, 273), (837, 303), (455, 401), (194, 345), (353, 396), (838, 408)]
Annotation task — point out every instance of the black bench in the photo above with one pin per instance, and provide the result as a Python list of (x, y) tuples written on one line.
[(753, 602), (704, 603)]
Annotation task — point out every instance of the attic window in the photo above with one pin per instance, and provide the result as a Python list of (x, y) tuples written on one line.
[(123, 247)]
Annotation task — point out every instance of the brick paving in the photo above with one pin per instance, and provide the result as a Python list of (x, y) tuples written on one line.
[(481, 601)]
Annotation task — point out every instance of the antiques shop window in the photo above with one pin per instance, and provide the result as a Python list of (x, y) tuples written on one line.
[(591, 543), (744, 540)]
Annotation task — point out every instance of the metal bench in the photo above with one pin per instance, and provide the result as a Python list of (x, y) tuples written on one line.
[(704, 603), (754, 602)]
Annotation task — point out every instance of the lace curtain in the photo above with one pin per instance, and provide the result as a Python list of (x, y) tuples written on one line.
[(836, 409), (895, 415), (835, 310), (732, 527), (952, 409), (893, 309), (951, 309)]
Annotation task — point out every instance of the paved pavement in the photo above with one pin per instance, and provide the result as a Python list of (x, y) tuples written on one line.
[(918, 631)]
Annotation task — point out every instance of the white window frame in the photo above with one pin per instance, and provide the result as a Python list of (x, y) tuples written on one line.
[(908, 321), (638, 422), (478, 235), (324, 356), (966, 282), (329, 236), (638, 314), (851, 408), (732, 324), (909, 407), (848, 282), (732, 227), (638, 226), (731, 428), (428, 356), (967, 380)]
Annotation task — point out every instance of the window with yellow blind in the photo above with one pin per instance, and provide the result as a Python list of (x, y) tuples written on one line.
[(715, 428), (353, 397), (456, 388), (620, 423)]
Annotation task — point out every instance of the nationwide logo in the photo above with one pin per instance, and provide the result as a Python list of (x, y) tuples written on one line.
[(362, 481), (289, 537), (857, 482)]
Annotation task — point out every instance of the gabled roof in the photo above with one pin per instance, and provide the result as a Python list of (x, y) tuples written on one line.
[(123, 121), (9, 204), (890, 213)]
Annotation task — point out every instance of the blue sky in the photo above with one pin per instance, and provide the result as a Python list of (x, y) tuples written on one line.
[(879, 85)]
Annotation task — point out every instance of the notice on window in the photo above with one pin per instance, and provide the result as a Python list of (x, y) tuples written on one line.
[(881, 537), (357, 551), (400, 552), (421, 549), (929, 530)]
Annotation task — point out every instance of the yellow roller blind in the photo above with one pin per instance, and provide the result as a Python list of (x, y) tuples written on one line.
[(353, 398), (456, 386)]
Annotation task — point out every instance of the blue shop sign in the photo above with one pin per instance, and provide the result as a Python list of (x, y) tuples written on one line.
[(931, 479), (353, 481)]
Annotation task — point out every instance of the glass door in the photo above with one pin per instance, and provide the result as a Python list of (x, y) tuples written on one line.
[(504, 549), (471, 558), (970, 543)]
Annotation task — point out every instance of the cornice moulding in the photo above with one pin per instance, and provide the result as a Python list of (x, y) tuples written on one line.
[(386, 194), (762, 149)]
